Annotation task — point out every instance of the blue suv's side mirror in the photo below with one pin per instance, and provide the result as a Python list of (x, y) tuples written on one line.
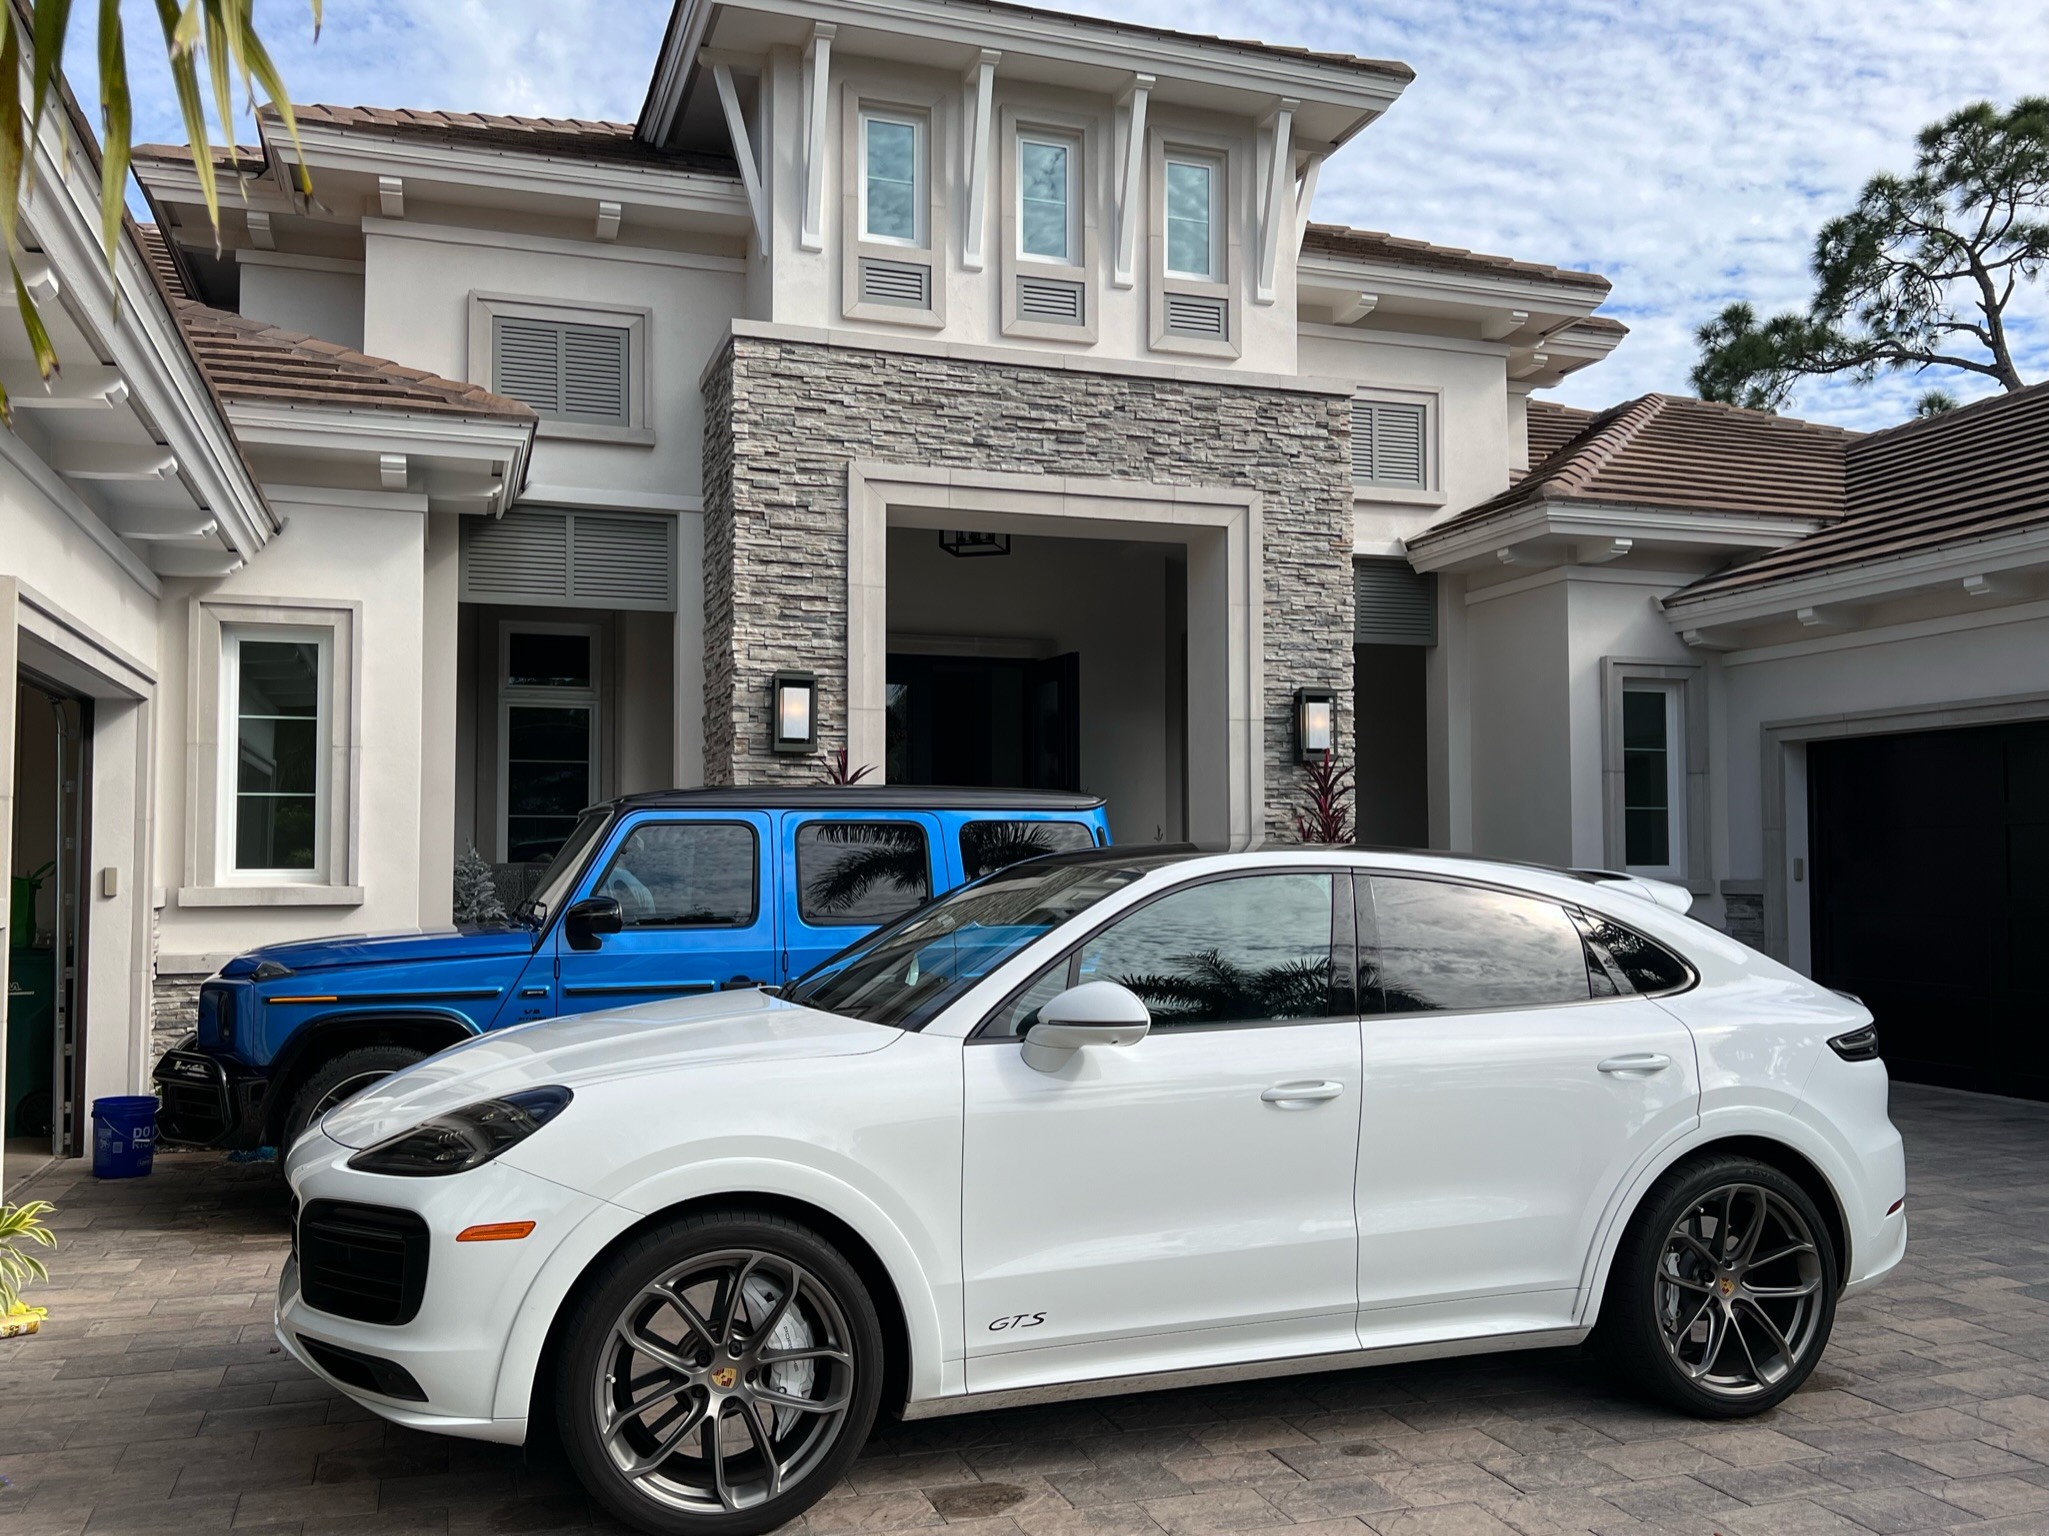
[(586, 923)]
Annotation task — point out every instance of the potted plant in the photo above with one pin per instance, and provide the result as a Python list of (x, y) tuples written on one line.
[(19, 1226)]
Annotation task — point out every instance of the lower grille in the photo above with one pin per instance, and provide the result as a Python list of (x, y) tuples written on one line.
[(366, 1262), (196, 1107), (368, 1373)]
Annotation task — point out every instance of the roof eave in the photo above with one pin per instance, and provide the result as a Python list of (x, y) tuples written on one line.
[(1541, 516)]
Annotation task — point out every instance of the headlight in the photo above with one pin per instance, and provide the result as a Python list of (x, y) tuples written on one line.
[(464, 1138)]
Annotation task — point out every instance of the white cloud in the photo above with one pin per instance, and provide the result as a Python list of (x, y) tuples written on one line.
[(1686, 150)]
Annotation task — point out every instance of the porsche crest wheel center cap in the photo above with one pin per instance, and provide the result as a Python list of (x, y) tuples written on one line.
[(724, 1378), (1728, 1285)]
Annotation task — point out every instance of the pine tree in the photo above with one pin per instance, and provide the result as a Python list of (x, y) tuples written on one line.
[(476, 895)]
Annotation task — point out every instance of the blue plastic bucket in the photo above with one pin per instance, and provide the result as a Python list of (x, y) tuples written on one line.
[(124, 1136)]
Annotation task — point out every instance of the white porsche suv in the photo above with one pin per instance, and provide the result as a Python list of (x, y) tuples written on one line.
[(1104, 1122)]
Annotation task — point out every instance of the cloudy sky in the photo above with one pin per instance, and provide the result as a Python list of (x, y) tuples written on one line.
[(1687, 149)]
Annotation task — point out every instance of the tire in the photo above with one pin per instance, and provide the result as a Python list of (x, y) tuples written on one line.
[(718, 1397), (339, 1080), (1723, 1292)]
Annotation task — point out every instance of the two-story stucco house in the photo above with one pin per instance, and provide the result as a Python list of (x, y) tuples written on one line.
[(975, 375)]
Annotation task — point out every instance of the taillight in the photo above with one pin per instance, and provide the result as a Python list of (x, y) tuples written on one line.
[(1857, 1044)]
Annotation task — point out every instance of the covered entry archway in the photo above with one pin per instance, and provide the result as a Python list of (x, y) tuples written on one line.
[(1214, 530)]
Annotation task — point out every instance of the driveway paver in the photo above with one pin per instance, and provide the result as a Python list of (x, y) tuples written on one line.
[(157, 1401)]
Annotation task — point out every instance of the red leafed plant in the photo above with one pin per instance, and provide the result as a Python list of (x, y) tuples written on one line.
[(1326, 818), (836, 771)]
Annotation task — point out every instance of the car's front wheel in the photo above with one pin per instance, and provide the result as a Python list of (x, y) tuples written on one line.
[(719, 1375), (1723, 1292)]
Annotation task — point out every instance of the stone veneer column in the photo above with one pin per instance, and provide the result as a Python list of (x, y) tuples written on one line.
[(785, 418)]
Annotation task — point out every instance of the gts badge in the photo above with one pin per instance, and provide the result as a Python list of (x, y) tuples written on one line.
[(1022, 1320)]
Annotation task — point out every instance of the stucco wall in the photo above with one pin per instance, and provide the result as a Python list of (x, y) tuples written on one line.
[(785, 418), (322, 303), (419, 279), (332, 555), (1520, 685)]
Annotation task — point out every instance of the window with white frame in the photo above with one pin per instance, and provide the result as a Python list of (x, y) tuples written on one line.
[(893, 178), (1048, 166), (276, 701), (1194, 226), (548, 706), (1653, 779)]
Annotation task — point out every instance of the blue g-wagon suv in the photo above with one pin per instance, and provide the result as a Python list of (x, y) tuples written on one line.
[(651, 896)]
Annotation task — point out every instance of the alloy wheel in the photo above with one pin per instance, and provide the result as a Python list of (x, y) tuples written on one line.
[(724, 1382), (1739, 1282)]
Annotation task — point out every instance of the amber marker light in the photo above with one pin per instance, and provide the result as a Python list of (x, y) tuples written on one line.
[(327, 999), (495, 1232)]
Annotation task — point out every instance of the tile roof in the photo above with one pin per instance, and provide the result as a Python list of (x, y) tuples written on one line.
[(156, 249), (1392, 68), (581, 138), (1552, 426), (575, 138), (1373, 245), (1970, 474), (1672, 451), (253, 360)]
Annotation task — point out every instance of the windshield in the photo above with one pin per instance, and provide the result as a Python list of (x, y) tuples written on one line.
[(562, 869), (903, 975)]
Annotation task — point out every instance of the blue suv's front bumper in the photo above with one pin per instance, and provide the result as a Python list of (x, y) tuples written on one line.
[(203, 1104)]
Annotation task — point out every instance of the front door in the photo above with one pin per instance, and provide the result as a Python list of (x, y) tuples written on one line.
[(1188, 1199), (696, 898), (1504, 1104), (848, 875)]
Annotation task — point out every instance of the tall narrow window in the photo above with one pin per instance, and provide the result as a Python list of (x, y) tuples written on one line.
[(1045, 199), (548, 730), (892, 179), (277, 688), (1192, 218), (1652, 779)]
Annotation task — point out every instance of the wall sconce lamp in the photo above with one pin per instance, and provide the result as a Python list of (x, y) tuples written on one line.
[(1316, 723), (793, 712), (967, 544)]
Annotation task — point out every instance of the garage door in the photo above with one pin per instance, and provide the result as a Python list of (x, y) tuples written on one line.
[(1930, 898)]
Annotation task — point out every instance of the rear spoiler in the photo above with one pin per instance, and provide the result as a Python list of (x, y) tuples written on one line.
[(1673, 898)]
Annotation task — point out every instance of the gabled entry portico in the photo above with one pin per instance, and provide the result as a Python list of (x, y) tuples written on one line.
[(1218, 527)]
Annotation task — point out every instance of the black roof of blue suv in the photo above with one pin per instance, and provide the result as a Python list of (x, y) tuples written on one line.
[(857, 797)]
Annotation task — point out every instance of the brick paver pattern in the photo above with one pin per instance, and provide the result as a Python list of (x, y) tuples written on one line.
[(156, 1400)]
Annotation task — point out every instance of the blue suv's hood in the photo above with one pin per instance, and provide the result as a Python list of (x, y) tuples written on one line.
[(410, 946)]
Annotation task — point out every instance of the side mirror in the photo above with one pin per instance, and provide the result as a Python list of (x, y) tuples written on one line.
[(586, 923), (1094, 1013)]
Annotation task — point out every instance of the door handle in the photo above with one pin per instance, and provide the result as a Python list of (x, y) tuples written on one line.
[(1301, 1093), (1641, 1061)]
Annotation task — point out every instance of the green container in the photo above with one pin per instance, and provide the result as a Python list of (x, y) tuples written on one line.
[(31, 1039)]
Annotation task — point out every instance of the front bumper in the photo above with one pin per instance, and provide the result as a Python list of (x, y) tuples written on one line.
[(207, 1102), (452, 1349)]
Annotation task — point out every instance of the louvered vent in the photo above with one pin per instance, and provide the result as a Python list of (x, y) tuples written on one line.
[(545, 558), (908, 283), (1388, 444), (621, 560), (1396, 605), (565, 371), (522, 557), (1052, 300), (1190, 314)]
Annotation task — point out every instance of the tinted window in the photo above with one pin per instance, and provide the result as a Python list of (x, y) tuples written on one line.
[(905, 974), (1235, 951), (1646, 966), (1437, 946), (987, 846), (860, 871), (684, 874)]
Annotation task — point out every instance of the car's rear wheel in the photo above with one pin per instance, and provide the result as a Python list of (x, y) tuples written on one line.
[(1723, 1293), (335, 1082), (719, 1375)]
